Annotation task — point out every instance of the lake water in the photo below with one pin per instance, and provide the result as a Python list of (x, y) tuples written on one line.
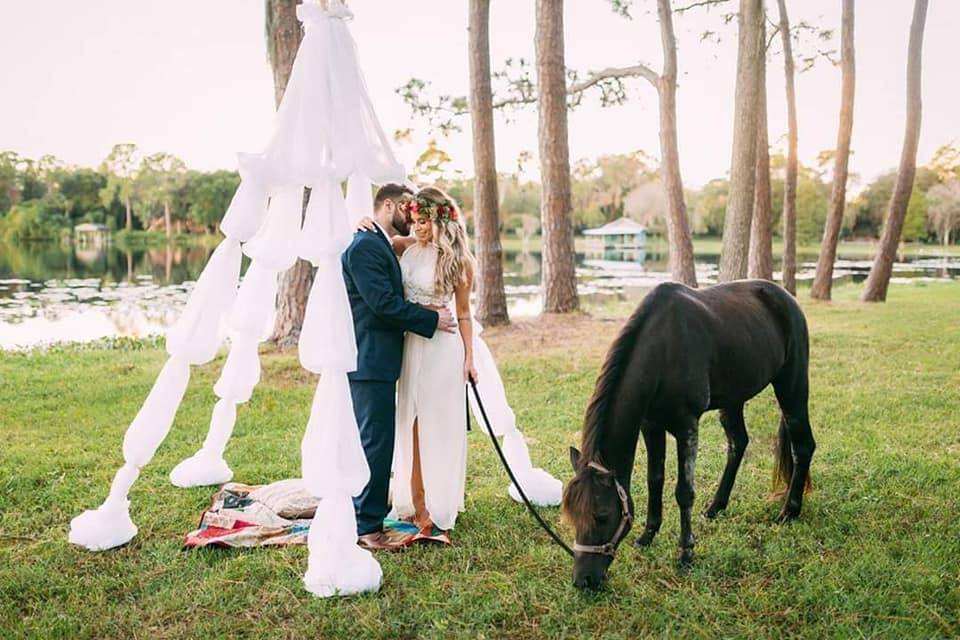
[(53, 293)]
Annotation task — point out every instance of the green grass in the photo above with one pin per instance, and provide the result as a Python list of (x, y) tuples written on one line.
[(874, 554)]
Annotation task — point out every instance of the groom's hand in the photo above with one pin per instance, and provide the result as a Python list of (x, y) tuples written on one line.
[(447, 322)]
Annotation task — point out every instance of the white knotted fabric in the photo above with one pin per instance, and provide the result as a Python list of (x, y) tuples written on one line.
[(326, 133), (540, 487)]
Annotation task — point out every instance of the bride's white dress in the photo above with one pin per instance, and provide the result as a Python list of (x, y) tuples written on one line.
[(432, 391)]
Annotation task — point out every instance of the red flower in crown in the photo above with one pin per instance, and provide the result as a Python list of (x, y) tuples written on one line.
[(453, 214), (414, 206)]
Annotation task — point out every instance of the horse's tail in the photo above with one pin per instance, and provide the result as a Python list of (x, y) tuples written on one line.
[(782, 461), (783, 464)]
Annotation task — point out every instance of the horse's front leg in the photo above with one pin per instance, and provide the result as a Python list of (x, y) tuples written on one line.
[(686, 466), (655, 441), (737, 440)]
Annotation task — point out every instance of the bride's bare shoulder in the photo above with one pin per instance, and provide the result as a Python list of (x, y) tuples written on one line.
[(401, 244)]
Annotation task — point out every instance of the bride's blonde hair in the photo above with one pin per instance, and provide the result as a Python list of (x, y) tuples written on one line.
[(455, 261)]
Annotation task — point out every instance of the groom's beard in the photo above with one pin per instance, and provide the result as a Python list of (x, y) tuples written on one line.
[(401, 224)]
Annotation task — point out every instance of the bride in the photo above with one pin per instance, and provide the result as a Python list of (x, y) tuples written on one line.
[(430, 456)]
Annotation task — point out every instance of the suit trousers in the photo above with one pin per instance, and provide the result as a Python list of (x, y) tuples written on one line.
[(374, 404)]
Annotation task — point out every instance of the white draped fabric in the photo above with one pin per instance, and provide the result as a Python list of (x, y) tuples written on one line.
[(326, 132)]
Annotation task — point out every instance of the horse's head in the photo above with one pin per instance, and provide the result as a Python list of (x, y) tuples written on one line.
[(598, 508)]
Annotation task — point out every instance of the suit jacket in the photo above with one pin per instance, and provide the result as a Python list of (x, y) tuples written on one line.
[(380, 313)]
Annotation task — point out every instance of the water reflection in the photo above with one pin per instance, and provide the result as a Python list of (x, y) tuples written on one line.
[(52, 293)]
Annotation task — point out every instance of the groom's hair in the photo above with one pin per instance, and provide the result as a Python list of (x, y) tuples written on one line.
[(390, 191)]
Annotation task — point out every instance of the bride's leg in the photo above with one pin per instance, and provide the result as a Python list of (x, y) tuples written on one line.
[(421, 516)]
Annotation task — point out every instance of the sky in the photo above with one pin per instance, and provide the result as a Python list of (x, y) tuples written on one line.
[(191, 77)]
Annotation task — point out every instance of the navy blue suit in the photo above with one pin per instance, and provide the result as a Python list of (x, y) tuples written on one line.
[(380, 317)]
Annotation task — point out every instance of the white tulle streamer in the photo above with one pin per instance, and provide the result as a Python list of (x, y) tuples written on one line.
[(152, 423), (208, 466), (325, 132), (199, 332), (541, 488), (256, 299), (247, 210), (326, 230), (275, 246), (327, 339), (332, 457), (336, 565), (359, 198), (109, 525), (241, 371)]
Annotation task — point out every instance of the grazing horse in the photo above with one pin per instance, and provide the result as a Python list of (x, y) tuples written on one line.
[(683, 352)]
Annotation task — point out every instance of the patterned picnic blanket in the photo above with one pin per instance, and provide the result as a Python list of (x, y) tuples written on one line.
[(242, 515)]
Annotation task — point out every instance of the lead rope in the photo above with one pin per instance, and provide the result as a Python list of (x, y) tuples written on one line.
[(506, 466)]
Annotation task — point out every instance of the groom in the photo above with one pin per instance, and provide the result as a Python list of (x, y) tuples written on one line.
[(380, 316)]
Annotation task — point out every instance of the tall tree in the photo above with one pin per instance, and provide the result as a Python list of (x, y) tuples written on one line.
[(491, 297), (159, 179), (682, 267), (760, 258), (823, 280), (559, 264), (284, 34), (789, 263), (736, 227), (944, 208), (120, 167), (879, 278)]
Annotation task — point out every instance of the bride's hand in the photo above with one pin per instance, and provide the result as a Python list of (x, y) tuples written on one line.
[(366, 224), (470, 371)]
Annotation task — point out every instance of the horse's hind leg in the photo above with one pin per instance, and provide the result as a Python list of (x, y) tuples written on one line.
[(737, 440), (792, 392), (686, 467), (655, 440)]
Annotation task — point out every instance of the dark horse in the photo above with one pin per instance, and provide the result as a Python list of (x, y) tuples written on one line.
[(683, 352)]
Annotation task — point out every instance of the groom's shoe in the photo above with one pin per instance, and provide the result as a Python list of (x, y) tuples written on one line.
[(378, 541)]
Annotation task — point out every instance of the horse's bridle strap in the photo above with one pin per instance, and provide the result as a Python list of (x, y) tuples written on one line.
[(610, 548)]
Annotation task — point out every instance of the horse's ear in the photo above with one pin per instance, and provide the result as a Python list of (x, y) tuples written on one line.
[(574, 458)]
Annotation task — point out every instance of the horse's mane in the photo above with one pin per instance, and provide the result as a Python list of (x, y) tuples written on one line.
[(611, 373)]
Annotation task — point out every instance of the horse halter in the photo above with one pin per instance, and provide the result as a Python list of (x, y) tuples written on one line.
[(610, 548)]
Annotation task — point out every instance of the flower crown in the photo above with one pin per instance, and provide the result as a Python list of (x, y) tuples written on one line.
[(439, 212)]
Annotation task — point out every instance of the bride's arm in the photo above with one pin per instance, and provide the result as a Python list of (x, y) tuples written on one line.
[(465, 321), (401, 243)]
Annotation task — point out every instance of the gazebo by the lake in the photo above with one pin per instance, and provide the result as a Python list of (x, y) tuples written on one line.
[(622, 233), (90, 233)]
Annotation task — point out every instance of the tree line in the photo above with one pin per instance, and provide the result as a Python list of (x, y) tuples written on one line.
[(42, 199)]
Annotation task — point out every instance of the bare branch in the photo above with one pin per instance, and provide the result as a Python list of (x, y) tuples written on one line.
[(701, 3), (593, 79), (637, 70), (773, 34)]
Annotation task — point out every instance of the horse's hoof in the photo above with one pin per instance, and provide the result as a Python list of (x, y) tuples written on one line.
[(645, 539), (787, 514), (713, 511), (685, 562)]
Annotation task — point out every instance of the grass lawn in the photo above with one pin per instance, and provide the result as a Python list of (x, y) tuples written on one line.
[(875, 553)]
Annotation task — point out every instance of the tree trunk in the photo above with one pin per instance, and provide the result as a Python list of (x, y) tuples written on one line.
[(491, 298), (283, 40), (166, 219), (129, 224), (559, 260), (682, 266), (879, 278), (736, 225), (789, 263), (823, 280), (760, 260)]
